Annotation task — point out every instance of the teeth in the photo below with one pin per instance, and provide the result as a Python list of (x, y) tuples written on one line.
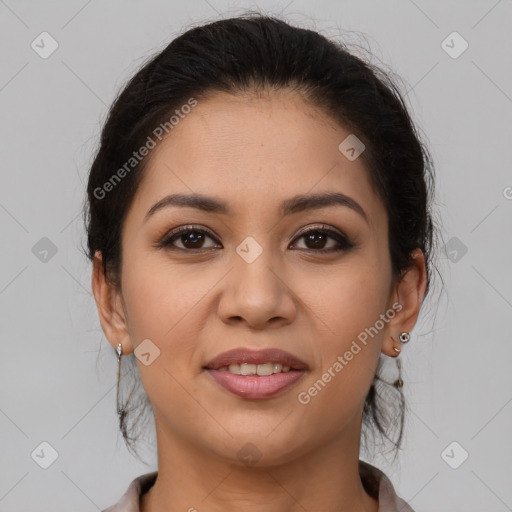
[(247, 369), (255, 369)]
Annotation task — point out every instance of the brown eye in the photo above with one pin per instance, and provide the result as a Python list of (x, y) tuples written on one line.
[(317, 239), (320, 240), (194, 238), (188, 238)]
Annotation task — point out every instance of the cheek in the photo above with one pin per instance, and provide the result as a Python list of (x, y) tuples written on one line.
[(161, 301), (347, 300), (347, 306), (163, 305)]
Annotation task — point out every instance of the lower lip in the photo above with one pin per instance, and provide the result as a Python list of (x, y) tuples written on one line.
[(255, 387)]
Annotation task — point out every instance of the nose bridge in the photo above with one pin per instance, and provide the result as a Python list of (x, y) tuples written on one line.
[(254, 290)]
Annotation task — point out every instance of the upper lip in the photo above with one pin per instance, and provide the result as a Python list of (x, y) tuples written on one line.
[(250, 356)]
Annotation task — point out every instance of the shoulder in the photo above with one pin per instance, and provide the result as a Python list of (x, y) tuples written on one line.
[(129, 501), (379, 486)]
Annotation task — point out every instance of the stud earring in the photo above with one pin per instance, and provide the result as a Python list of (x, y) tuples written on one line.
[(403, 338)]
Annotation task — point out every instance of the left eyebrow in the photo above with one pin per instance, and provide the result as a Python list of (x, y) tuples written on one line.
[(301, 203), (290, 206)]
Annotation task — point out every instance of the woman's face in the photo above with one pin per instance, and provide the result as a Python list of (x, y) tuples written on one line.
[(247, 275)]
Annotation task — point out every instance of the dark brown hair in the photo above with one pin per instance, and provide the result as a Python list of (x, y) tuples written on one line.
[(244, 54)]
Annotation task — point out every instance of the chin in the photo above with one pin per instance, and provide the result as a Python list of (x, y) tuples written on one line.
[(259, 450)]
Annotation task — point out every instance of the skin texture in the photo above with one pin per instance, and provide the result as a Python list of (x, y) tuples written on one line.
[(253, 152)]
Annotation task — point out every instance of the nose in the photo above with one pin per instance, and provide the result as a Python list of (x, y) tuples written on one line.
[(257, 294)]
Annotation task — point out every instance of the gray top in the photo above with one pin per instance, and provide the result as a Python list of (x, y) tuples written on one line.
[(376, 483)]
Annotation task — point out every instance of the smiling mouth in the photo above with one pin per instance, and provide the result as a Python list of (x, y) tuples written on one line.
[(261, 370), (255, 381), (256, 362), (256, 374)]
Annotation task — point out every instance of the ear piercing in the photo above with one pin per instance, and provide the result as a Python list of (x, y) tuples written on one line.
[(403, 338)]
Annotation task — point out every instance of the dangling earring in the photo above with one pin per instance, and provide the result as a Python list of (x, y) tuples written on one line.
[(399, 383), (120, 411), (404, 337)]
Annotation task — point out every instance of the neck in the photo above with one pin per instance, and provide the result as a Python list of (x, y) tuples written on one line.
[(325, 478)]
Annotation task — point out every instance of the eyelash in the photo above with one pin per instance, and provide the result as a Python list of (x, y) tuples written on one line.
[(344, 243)]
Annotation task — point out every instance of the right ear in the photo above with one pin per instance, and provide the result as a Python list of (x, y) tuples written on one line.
[(110, 307)]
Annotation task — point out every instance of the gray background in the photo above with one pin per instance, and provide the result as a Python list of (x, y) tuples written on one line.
[(457, 373)]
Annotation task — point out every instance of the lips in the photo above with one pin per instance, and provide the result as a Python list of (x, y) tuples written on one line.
[(269, 355), (289, 370)]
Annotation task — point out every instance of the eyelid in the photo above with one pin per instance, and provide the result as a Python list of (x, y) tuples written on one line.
[(304, 230), (321, 227), (344, 241), (165, 240), (189, 227)]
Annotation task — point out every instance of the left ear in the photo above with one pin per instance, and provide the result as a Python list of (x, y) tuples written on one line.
[(408, 294)]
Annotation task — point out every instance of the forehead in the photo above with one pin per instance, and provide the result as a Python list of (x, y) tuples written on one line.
[(255, 151)]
